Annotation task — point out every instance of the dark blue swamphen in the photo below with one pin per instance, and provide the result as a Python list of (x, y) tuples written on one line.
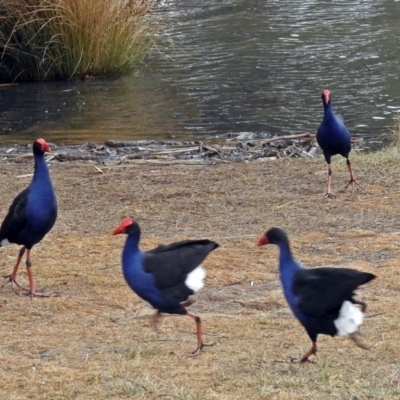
[(334, 138), (31, 216), (167, 275), (320, 298)]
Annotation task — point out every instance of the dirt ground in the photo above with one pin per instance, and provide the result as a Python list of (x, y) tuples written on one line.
[(93, 341)]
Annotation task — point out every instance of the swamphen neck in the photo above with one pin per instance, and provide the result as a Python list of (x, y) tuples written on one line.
[(132, 230), (41, 173), (326, 101), (131, 254), (136, 277), (287, 264), (278, 236), (41, 206)]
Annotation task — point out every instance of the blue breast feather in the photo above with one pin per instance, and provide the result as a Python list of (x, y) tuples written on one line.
[(41, 206), (333, 134), (141, 282), (288, 269)]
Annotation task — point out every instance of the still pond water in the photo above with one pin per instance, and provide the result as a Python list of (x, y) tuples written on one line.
[(231, 66)]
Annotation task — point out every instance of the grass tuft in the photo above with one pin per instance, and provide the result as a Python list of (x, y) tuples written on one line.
[(395, 133), (58, 39), (378, 159)]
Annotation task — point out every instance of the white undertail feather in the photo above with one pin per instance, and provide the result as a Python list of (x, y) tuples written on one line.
[(195, 280), (350, 318), (4, 242)]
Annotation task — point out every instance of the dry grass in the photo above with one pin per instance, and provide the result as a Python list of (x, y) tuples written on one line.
[(94, 341)]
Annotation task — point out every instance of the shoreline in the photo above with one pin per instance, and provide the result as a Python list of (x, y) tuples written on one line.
[(114, 152)]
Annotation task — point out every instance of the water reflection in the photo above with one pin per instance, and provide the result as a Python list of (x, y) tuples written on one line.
[(231, 66), (79, 111)]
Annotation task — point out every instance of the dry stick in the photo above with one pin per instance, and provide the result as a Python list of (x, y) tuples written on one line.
[(306, 135), (276, 138), (173, 161), (368, 68), (234, 283), (375, 315), (174, 151)]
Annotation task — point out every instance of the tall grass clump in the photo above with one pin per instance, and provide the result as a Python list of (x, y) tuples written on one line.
[(391, 152), (388, 155), (395, 133), (58, 39)]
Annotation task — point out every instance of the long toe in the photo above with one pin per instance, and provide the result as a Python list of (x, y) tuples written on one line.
[(39, 294), (361, 186), (352, 185), (301, 360), (14, 284), (196, 352), (355, 337), (329, 196), (199, 348), (8, 280)]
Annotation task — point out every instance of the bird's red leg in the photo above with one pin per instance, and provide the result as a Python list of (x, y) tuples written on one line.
[(355, 337), (306, 356), (360, 303), (154, 320), (12, 278), (328, 193), (200, 343), (188, 303), (309, 353), (32, 292), (352, 178)]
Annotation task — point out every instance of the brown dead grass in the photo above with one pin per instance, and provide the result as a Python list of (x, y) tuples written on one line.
[(94, 341)]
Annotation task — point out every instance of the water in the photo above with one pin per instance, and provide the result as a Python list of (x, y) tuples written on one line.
[(231, 66)]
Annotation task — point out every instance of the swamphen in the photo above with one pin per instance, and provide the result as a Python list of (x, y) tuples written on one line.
[(320, 298), (167, 275), (31, 215), (334, 138)]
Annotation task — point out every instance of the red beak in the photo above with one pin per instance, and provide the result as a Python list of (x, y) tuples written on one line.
[(45, 146), (118, 230), (327, 96), (262, 241), (123, 226)]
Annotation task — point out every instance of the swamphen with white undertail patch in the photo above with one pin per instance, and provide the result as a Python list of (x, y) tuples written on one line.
[(334, 138), (31, 216), (320, 298), (167, 275)]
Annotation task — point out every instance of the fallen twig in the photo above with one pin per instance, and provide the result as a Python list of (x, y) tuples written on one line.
[(374, 315), (307, 135)]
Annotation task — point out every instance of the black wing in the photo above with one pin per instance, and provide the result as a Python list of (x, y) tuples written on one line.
[(323, 289), (170, 264), (15, 220)]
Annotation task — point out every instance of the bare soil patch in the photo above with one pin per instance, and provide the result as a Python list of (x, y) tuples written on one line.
[(94, 340)]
